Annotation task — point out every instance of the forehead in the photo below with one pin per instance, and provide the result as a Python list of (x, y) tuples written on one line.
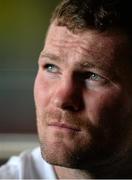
[(101, 47), (87, 38)]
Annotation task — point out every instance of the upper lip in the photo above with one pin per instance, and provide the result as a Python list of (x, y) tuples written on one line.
[(64, 125)]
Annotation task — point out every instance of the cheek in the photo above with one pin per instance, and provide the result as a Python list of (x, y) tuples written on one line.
[(103, 105), (41, 91)]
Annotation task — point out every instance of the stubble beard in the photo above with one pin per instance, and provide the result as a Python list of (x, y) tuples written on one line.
[(83, 154), (59, 153)]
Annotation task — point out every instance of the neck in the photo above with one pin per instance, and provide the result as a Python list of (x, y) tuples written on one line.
[(68, 173), (121, 168)]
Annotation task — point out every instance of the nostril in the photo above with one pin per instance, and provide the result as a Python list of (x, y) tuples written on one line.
[(70, 107)]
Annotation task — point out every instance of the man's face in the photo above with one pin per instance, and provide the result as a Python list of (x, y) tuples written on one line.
[(82, 97)]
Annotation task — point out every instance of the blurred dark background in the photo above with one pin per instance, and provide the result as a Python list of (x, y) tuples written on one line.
[(23, 24)]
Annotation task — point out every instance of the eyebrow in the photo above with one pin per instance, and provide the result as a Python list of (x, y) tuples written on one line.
[(84, 64), (53, 57), (50, 56)]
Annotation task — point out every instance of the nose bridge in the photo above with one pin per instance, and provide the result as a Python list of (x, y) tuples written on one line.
[(66, 95), (67, 87)]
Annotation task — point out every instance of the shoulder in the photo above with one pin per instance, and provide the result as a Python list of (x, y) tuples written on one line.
[(29, 164), (10, 169)]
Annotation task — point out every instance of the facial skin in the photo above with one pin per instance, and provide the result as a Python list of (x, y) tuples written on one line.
[(82, 96)]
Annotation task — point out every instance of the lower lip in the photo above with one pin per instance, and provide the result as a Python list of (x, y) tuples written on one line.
[(63, 128)]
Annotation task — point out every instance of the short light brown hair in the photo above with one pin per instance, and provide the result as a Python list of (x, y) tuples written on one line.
[(99, 14)]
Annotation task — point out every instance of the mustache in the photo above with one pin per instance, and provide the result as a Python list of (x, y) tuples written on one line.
[(65, 117), (61, 117)]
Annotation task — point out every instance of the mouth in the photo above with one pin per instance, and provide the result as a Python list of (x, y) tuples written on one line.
[(63, 126)]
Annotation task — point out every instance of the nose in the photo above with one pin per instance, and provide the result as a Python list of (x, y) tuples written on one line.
[(68, 96)]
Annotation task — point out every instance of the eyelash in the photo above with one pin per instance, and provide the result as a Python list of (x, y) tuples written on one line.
[(92, 76), (51, 66), (87, 76)]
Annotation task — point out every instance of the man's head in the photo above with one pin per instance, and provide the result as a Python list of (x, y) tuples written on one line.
[(83, 86)]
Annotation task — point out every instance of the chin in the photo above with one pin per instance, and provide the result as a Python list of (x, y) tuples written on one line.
[(60, 155)]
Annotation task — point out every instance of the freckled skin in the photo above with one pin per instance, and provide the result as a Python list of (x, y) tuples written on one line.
[(100, 109)]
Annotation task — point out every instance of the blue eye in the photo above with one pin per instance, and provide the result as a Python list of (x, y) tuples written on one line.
[(51, 68), (90, 76), (95, 77)]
